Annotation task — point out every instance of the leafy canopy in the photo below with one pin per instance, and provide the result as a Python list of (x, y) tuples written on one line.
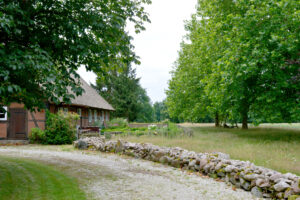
[(43, 43), (240, 62)]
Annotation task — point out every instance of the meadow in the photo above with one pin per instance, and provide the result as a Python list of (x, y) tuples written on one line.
[(275, 146)]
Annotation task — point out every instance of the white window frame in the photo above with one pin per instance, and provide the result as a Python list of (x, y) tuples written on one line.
[(95, 115), (5, 115), (90, 115)]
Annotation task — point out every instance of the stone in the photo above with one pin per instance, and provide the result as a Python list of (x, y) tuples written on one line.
[(256, 191), (218, 166), (175, 163), (229, 168), (221, 172), (203, 162), (197, 167), (223, 156), (262, 183), (119, 146), (158, 154), (267, 195), (207, 167), (192, 163), (290, 176), (250, 177), (279, 195), (275, 177), (288, 192), (281, 186), (81, 144), (163, 159), (232, 180), (296, 187), (246, 185)]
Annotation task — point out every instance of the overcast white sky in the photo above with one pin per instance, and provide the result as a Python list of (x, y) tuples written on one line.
[(157, 47)]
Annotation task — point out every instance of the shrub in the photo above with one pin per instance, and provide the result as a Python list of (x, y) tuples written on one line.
[(138, 134), (37, 136), (118, 122), (61, 128), (152, 127), (107, 136), (172, 130)]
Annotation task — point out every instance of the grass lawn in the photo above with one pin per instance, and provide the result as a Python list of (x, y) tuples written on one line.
[(24, 179), (273, 146)]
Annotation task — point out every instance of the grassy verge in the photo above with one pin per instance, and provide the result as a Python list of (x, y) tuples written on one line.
[(275, 148), (23, 179)]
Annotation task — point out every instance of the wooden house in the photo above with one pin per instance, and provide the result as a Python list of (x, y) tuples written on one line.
[(90, 106)]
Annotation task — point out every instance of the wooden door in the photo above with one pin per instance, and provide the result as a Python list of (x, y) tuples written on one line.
[(17, 124)]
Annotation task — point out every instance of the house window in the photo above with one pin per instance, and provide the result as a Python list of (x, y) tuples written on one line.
[(3, 115), (102, 115), (107, 116), (90, 115), (79, 111), (65, 110), (95, 115)]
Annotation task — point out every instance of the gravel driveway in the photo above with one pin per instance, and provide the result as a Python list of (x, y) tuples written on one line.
[(108, 176)]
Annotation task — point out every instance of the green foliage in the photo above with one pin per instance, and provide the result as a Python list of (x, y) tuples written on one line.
[(98, 123), (122, 89), (61, 128), (160, 111), (152, 127), (240, 62), (43, 43), (118, 123), (107, 136), (37, 136), (171, 130), (168, 130)]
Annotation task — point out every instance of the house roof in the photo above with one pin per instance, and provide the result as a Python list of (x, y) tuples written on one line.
[(91, 98)]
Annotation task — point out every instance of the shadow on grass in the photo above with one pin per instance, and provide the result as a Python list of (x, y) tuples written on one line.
[(255, 134)]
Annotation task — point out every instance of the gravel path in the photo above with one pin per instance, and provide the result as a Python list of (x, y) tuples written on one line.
[(107, 176)]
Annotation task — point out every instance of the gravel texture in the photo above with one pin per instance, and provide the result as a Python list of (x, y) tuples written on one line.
[(108, 176)]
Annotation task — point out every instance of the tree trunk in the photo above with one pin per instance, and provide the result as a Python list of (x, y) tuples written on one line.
[(245, 121), (217, 121)]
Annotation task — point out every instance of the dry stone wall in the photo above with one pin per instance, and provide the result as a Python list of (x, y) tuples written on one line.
[(260, 181)]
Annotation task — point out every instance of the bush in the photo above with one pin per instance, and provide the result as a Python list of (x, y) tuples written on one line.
[(61, 128), (107, 136), (118, 123), (37, 136), (152, 127), (99, 123)]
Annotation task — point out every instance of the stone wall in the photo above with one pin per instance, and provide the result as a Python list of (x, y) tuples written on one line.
[(262, 182)]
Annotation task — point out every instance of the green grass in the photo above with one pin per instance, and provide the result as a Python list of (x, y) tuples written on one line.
[(24, 179), (276, 148)]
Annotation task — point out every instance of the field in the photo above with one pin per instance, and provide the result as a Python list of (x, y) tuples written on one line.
[(276, 146)]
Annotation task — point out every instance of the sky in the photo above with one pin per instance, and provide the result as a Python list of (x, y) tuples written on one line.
[(158, 46)]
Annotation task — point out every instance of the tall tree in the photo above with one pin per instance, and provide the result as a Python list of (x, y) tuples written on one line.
[(160, 111), (245, 54), (123, 90), (43, 43)]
